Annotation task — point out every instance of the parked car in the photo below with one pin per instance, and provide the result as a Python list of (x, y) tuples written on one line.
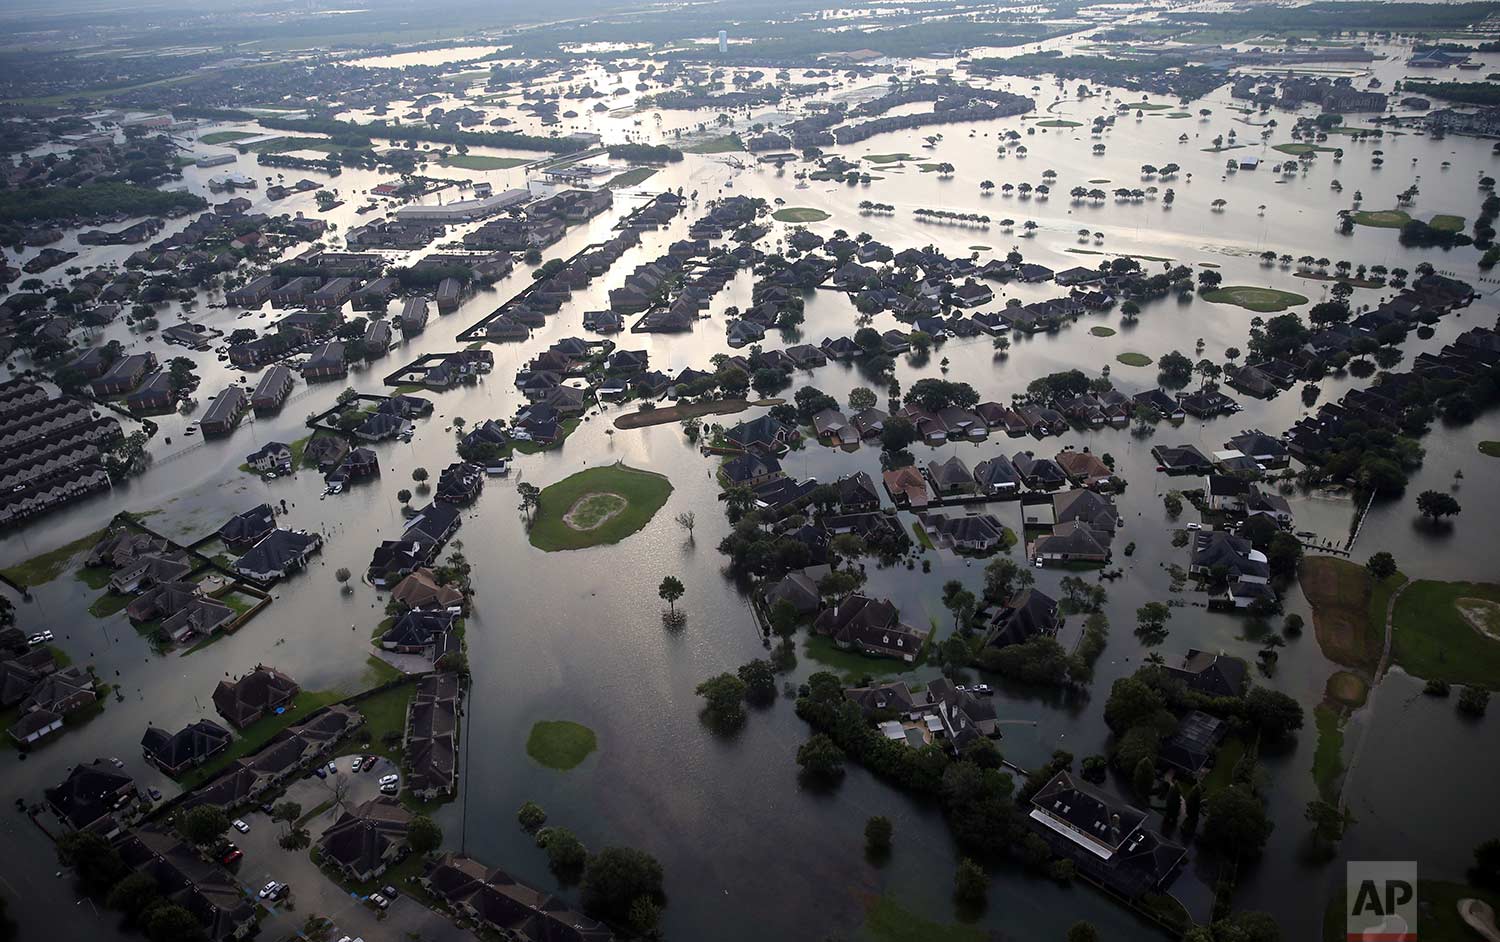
[(379, 900), (241, 826), (154, 792), (1195, 526), (391, 779), (390, 789), (370, 763), (268, 889), (332, 768), (232, 857), (320, 772), (390, 892), (116, 763)]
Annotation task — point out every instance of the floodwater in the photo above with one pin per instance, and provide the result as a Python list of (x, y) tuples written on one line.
[(748, 852)]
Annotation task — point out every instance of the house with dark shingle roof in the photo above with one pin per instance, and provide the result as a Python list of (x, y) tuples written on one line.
[(246, 699), (278, 554), (247, 527), (1217, 675), (89, 798), (871, 626), (367, 838), (189, 747), (1030, 613)]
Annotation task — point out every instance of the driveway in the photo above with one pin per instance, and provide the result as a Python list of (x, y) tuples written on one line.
[(311, 891)]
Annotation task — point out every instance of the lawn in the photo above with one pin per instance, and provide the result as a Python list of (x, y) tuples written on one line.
[(852, 665), (1328, 760), (728, 144), (888, 921), (257, 734), (632, 177), (1434, 640), (226, 137), (799, 214), (1059, 123), (1444, 222), (560, 744), (95, 577), (1381, 218), (923, 540), (887, 158), (108, 604), (282, 145), (1260, 300), (1221, 776), (482, 162), (1103, 332), (1437, 903), (1134, 359), (644, 493), (1490, 448), (642, 418), (40, 570), (531, 448), (1340, 595), (385, 713), (1297, 150)]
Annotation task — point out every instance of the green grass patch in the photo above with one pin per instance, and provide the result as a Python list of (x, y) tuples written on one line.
[(378, 672), (1221, 776), (1102, 331), (799, 214), (888, 921), (1134, 359), (482, 162), (1148, 106), (728, 144), (40, 570), (532, 448), (632, 177), (1446, 222), (887, 158), (1059, 123), (257, 734), (1381, 218), (1328, 760), (643, 494), (282, 145), (385, 714), (226, 137), (1490, 448), (923, 540), (95, 577), (1434, 640), (1261, 300), (852, 665), (1180, 114), (1222, 147), (560, 744), (108, 604), (1298, 149)]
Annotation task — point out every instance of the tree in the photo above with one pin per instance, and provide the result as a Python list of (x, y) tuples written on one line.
[(821, 758), (1381, 566), (1274, 713), (1435, 504), (404, 496), (970, 884), (566, 855), (1144, 777), (1131, 702), (173, 923), (897, 434), (286, 812), (962, 605), (1327, 820), (134, 896), (424, 835), (1083, 932), (878, 832), (616, 877), (96, 865), (862, 398), (531, 816), (1474, 701), (202, 825), (1486, 870), (687, 521), (1237, 823), (671, 590), (784, 618), (724, 695), (530, 496), (759, 679), (419, 475), (1151, 621)]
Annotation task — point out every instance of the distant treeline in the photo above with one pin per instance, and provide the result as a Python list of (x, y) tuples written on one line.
[(1342, 16), (1471, 93), (420, 132), (646, 153), (38, 204)]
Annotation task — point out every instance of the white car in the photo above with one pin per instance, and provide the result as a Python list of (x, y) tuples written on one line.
[(269, 889), (1195, 526), (116, 763), (390, 789), (332, 768), (379, 900), (241, 826), (391, 779)]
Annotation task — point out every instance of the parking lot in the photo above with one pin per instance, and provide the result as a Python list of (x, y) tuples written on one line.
[(312, 892)]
